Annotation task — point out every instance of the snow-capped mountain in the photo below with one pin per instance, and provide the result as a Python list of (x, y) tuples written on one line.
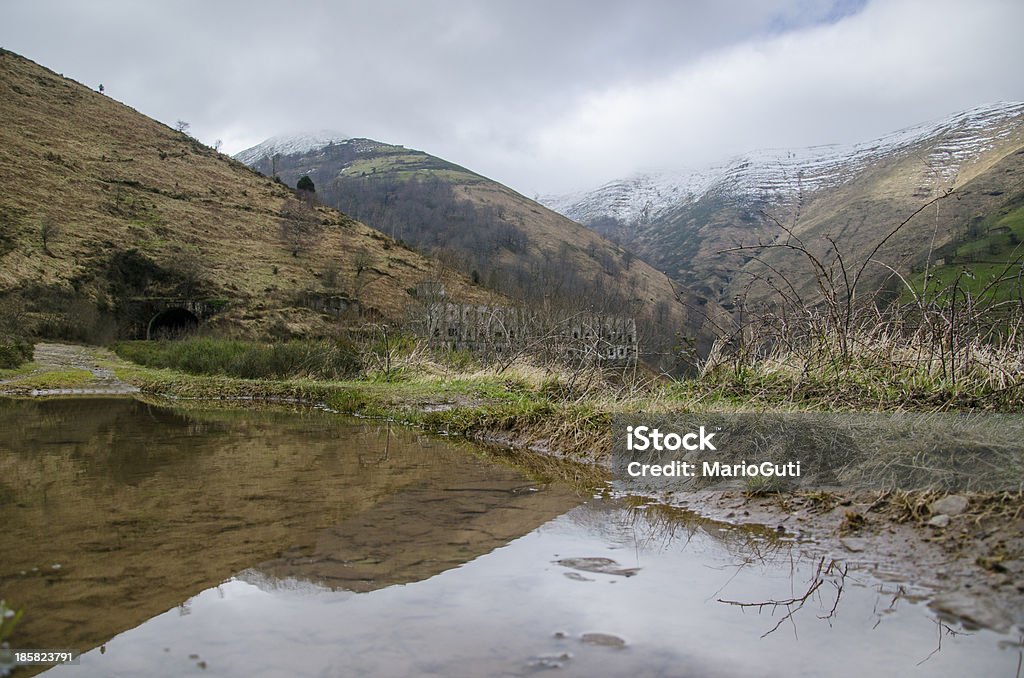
[(781, 175), (684, 222), (290, 144)]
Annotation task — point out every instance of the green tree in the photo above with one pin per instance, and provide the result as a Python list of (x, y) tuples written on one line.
[(305, 184)]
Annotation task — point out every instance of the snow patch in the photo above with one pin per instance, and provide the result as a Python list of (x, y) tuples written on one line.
[(290, 144), (779, 175)]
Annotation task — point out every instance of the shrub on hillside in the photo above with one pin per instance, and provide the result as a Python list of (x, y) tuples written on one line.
[(14, 352)]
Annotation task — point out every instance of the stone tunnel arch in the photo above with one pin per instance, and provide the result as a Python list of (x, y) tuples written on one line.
[(171, 322)]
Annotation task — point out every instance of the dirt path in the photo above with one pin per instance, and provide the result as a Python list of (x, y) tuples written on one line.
[(66, 362)]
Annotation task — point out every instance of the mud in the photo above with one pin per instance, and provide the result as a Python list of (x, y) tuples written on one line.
[(974, 564)]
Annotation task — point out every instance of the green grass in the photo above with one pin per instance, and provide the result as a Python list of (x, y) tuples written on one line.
[(66, 378), (1000, 236), (482, 404), (408, 166), (989, 282), (985, 267), (246, 360), (21, 370), (529, 407)]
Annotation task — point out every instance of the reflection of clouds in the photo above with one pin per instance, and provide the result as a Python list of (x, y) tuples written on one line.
[(497, 614)]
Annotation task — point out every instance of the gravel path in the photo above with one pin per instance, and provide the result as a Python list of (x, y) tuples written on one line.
[(53, 357)]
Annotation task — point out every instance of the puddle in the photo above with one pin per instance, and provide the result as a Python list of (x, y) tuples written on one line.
[(302, 544)]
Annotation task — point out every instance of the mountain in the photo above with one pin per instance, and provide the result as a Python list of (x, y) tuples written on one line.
[(680, 220), (290, 144), (501, 239), (108, 218)]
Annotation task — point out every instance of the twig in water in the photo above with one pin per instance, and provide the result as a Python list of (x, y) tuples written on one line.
[(793, 605)]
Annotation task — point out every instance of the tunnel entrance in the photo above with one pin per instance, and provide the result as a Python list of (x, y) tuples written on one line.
[(171, 323)]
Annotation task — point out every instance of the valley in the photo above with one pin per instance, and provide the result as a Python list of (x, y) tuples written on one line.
[(501, 240), (334, 373)]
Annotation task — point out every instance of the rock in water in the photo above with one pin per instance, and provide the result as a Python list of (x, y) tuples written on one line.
[(602, 639), (598, 566)]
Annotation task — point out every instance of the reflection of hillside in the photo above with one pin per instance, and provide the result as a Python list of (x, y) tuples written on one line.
[(143, 507), (107, 435), (419, 533)]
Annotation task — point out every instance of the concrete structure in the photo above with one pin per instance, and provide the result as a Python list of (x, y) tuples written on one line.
[(153, 317), (501, 330), (331, 304)]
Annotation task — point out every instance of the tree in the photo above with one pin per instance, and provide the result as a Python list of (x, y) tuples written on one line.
[(47, 232), (305, 184), (299, 226), (362, 262), (182, 126)]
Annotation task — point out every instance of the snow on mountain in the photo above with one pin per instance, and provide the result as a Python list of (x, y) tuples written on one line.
[(780, 175), (636, 198), (290, 144)]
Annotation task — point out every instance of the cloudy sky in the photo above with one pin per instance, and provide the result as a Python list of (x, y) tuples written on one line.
[(543, 95)]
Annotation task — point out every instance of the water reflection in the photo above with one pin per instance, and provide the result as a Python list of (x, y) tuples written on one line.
[(513, 612), (298, 544), (117, 510)]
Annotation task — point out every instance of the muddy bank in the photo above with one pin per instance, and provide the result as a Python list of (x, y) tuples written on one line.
[(971, 561), (968, 548)]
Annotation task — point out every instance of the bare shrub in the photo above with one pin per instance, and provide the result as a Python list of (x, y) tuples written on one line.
[(941, 345)]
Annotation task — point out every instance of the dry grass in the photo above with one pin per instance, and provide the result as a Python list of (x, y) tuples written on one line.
[(110, 179), (931, 358)]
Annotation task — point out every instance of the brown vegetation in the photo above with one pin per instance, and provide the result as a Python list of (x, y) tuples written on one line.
[(504, 241), (90, 184)]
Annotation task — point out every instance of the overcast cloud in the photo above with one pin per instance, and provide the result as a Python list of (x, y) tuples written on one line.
[(545, 96)]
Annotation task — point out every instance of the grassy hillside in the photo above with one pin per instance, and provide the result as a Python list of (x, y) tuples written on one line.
[(501, 239), (102, 206), (750, 224), (984, 262), (936, 214)]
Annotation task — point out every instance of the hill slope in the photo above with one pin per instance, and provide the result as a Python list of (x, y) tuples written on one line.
[(103, 208), (679, 221), (500, 238)]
